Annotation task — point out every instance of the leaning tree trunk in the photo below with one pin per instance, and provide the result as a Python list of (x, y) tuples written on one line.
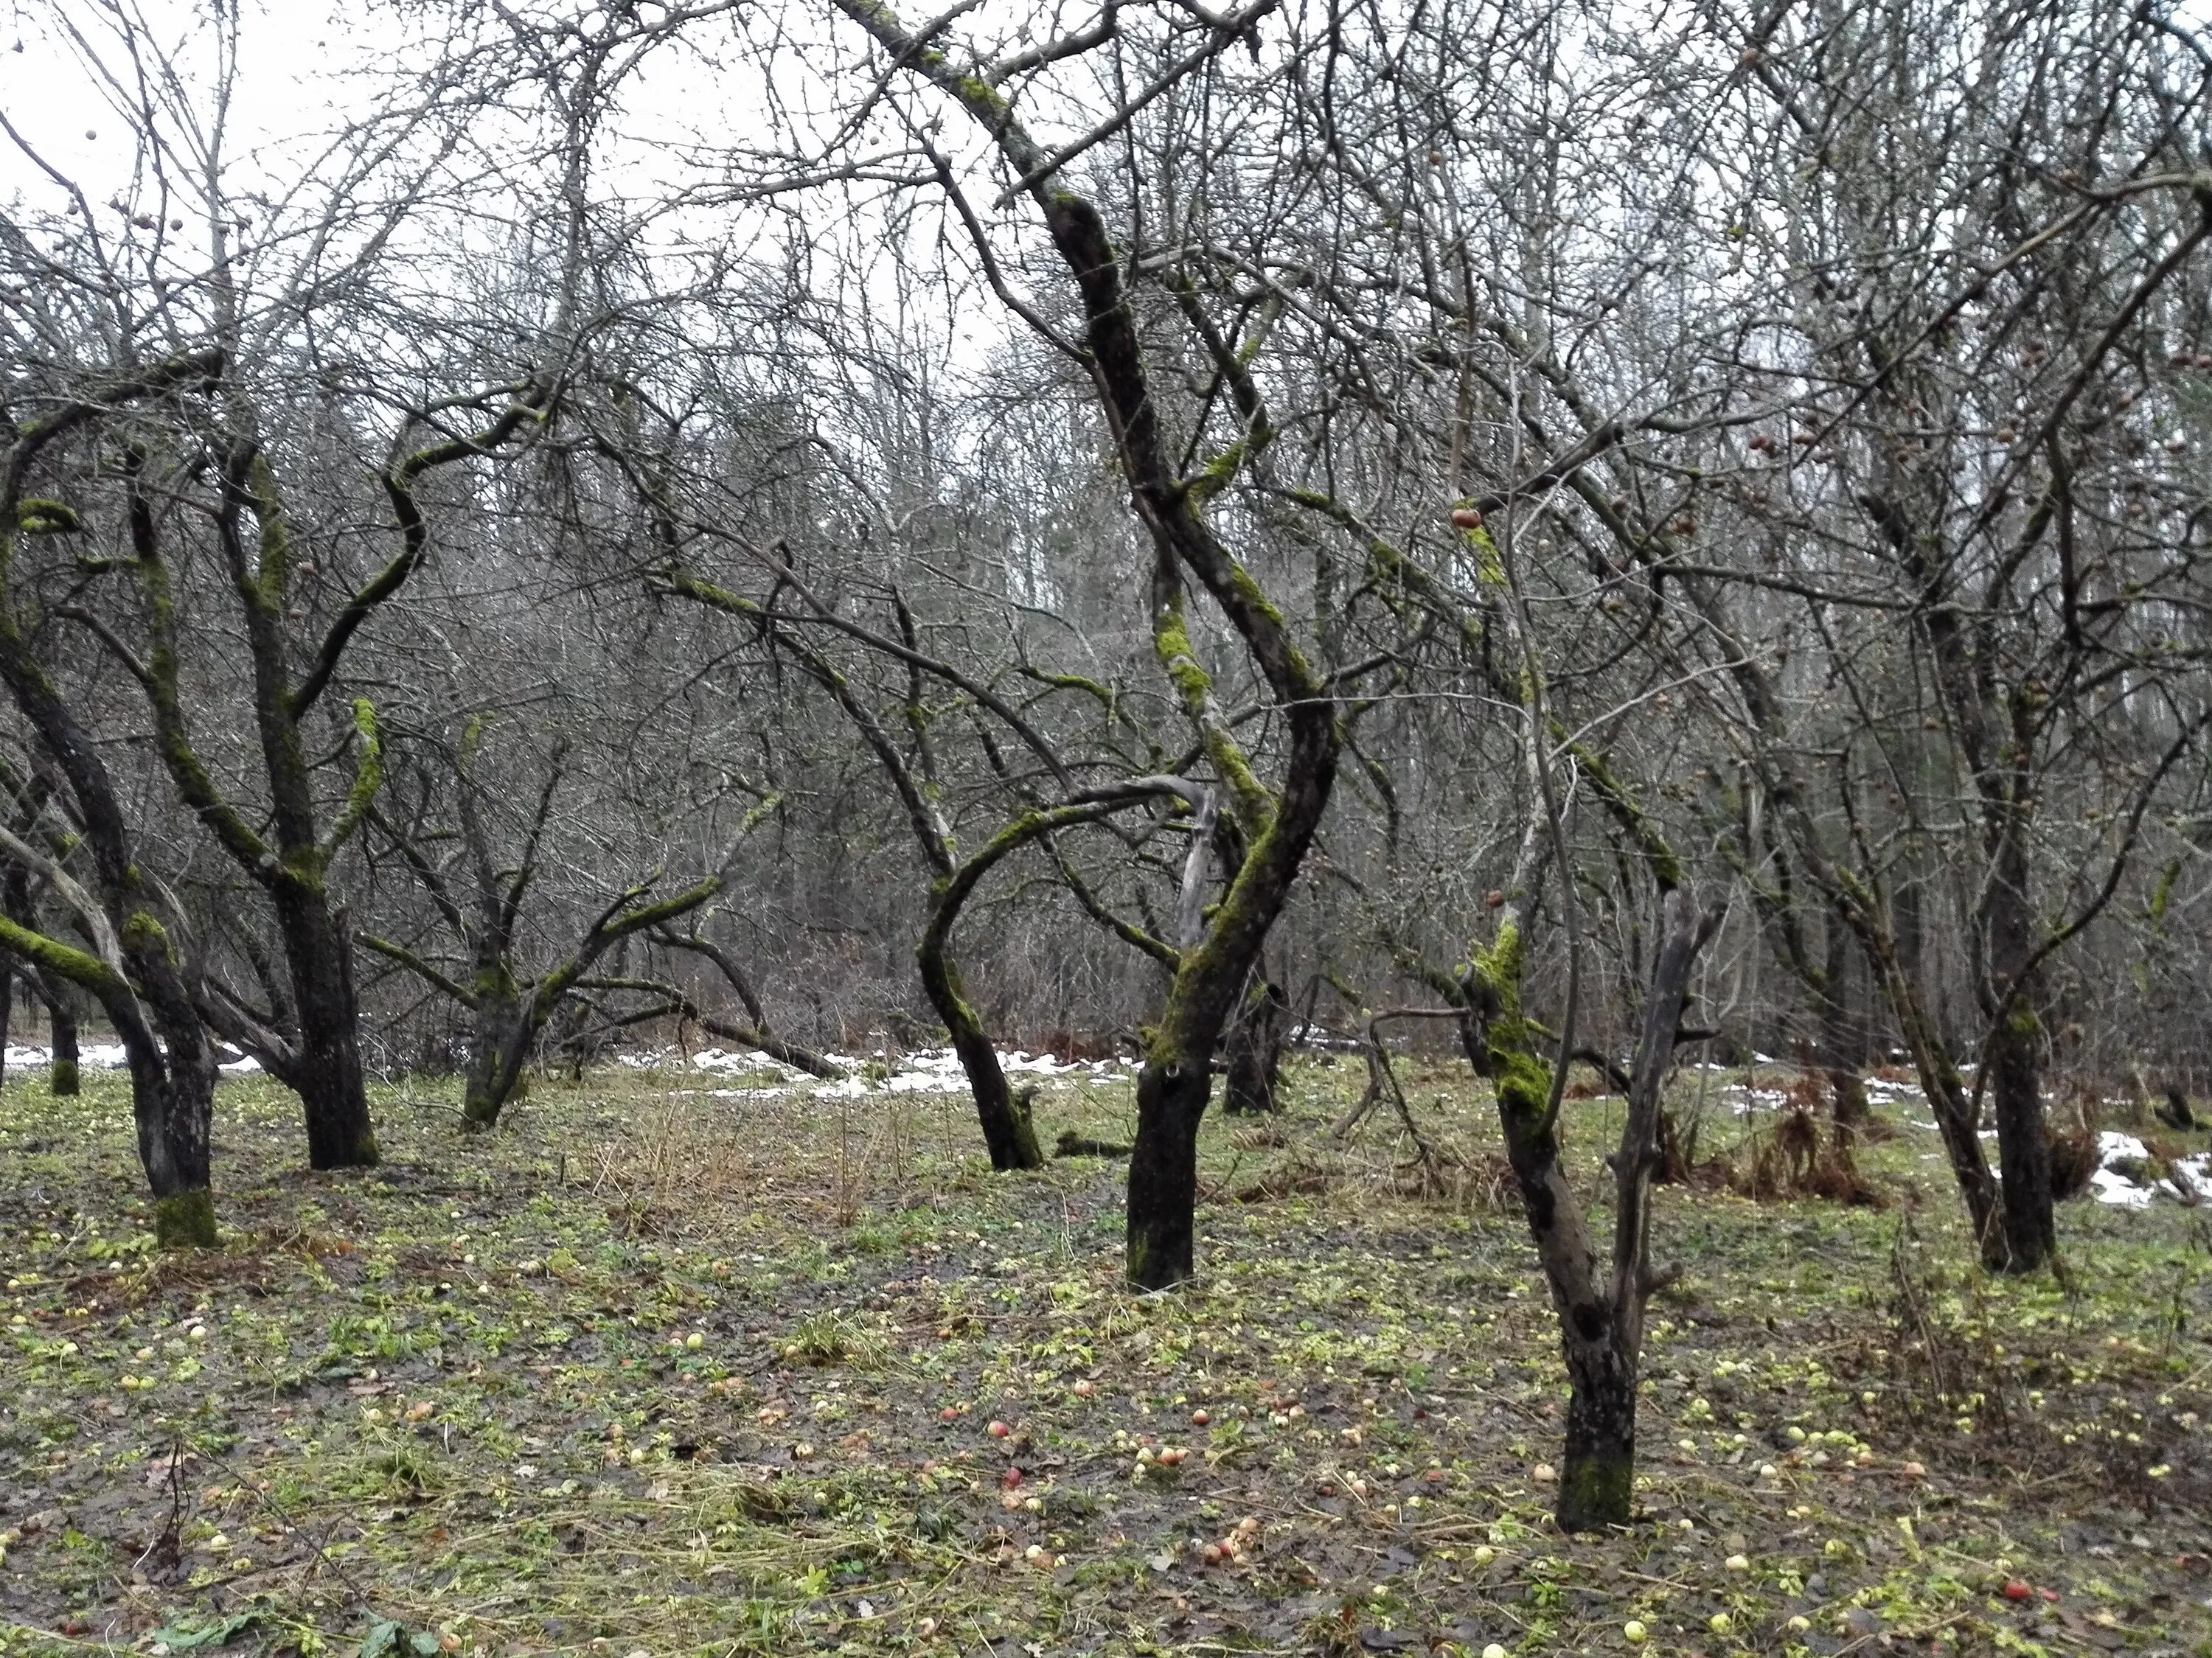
[(1008, 1133), (1173, 1088), (1598, 1471), (327, 1072), (1177, 1079), (1947, 1098)]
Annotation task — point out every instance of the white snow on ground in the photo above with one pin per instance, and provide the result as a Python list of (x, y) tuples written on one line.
[(937, 1070), (93, 1056), (2191, 1180), (931, 1070), (2195, 1173), (106, 1056), (2113, 1187)]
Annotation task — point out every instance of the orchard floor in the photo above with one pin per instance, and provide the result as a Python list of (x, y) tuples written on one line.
[(669, 1366)]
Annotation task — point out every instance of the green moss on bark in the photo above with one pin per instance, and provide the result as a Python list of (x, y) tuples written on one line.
[(1597, 1490), (186, 1220)]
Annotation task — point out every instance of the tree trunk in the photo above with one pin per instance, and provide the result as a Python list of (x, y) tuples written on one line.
[(1256, 1050), (2030, 1233), (173, 1103), (1597, 1475), (62, 1076), (328, 1072), (497, 1054), (1172, 1100), (1007, 1132), (172, 1077), (1842, 1052)]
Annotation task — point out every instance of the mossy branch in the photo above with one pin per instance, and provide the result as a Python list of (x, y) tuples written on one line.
[(368, 778), (64, 960), (422, 970)]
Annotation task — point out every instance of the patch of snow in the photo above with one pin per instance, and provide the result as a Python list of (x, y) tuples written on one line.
[(2119, 1191), (94, 1056), (728, 1063), (2192, 1179)]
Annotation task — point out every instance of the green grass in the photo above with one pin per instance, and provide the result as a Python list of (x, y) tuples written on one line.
[(458, 1397)]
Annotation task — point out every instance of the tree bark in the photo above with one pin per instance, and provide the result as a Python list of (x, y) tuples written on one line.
[(1841, 1049), (1256, 1050), (2030, 1233), (137, 974), (1164, 1173), (173, 1105), (1597, 1474), (327, 1071), (1601, 1311), (1008, 1134), (497, 1053), (64, 1075), (1278, 824)]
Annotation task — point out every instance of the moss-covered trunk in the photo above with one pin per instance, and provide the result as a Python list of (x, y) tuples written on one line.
[(1008, 1134), (173, 1106), (497, 1053), (1278, 824), (1600, 1307), (1597, 1474)]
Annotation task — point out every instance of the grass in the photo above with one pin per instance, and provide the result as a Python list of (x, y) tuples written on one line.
[(663, 1368)]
